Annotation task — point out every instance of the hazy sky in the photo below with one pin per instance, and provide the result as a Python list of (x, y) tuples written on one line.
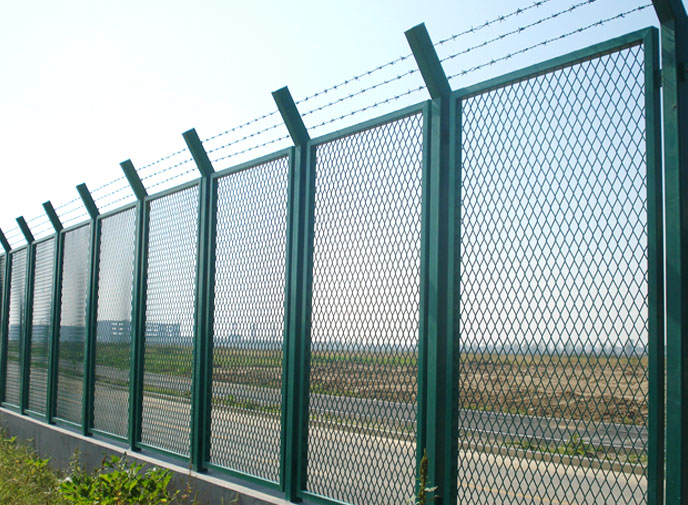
[(88, 84)]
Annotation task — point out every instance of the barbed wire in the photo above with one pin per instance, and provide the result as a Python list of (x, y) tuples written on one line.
[(176, 176), (369, 107), (107, 184), (164, 158), (451, 38), (66, 204), (246, 137), (15, 232), (550, 40), (412, 71), (172, 167), (520, 29), (252, 148)]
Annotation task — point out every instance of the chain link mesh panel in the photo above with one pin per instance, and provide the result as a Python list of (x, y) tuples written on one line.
[(40, 324), (249, 319), (15, 326), (172, 243), (365, 315), (554, 316), (113, 329), (75, 281)]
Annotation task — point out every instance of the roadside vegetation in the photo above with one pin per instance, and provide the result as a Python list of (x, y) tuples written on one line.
[(26, 479)]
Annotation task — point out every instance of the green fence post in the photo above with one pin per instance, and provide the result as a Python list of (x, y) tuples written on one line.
[(674, 35), (138, 307), (54, 331), (4, 314), (655, 422), (91, 312), (438, 367), (25, 343), (203, 317), (299, 265)]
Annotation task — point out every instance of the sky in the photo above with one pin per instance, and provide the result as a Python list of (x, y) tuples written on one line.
[(87, 85)]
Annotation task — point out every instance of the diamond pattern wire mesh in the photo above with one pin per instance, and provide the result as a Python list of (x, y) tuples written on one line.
[(249, 319), (113, 329), (554, 316), (365, 315), (168, 357), (15, 326), (75, 281), (40, 324)]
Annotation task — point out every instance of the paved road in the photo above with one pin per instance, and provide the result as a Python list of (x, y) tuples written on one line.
[(471, 422), (364, 467)]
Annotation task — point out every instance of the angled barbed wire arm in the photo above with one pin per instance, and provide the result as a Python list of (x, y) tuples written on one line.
[(298, 287), (91, 311), (437, 409), (138, 308), (55, 308), (674, 43), (201, 392), (25, 337)]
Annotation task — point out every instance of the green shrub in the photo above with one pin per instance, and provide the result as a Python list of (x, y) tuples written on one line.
[(116, 483)]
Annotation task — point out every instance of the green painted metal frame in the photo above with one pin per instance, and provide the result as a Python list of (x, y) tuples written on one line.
[(656, 323), (204, 310), (299, 262), (32, 413), (139, 325), (138, 347), (438, 364), (55, 308), (648, 37), (674, 36), (25, 342), (93, 316), (216, 177), (54, 418), (28, 411), (91, 312), (138, 307)]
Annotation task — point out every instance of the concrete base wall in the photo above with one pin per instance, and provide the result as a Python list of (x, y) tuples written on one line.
[(59, 445)]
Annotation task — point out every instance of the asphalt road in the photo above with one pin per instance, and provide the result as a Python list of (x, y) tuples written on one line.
[(472, 423)]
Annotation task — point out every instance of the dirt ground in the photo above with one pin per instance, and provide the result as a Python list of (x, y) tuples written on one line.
[(609, 389)]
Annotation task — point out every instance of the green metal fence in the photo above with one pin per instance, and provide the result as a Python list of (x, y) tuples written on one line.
[(476, 279)]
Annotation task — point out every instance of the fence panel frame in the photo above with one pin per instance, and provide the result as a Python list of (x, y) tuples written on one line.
[(36, 243), (96, 288), (5, 342), (64, 423), (139, 347), (648, 39), (307, 242), (215, 177)]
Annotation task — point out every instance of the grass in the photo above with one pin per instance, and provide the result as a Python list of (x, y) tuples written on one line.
[(26, 479), (576, 447)]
